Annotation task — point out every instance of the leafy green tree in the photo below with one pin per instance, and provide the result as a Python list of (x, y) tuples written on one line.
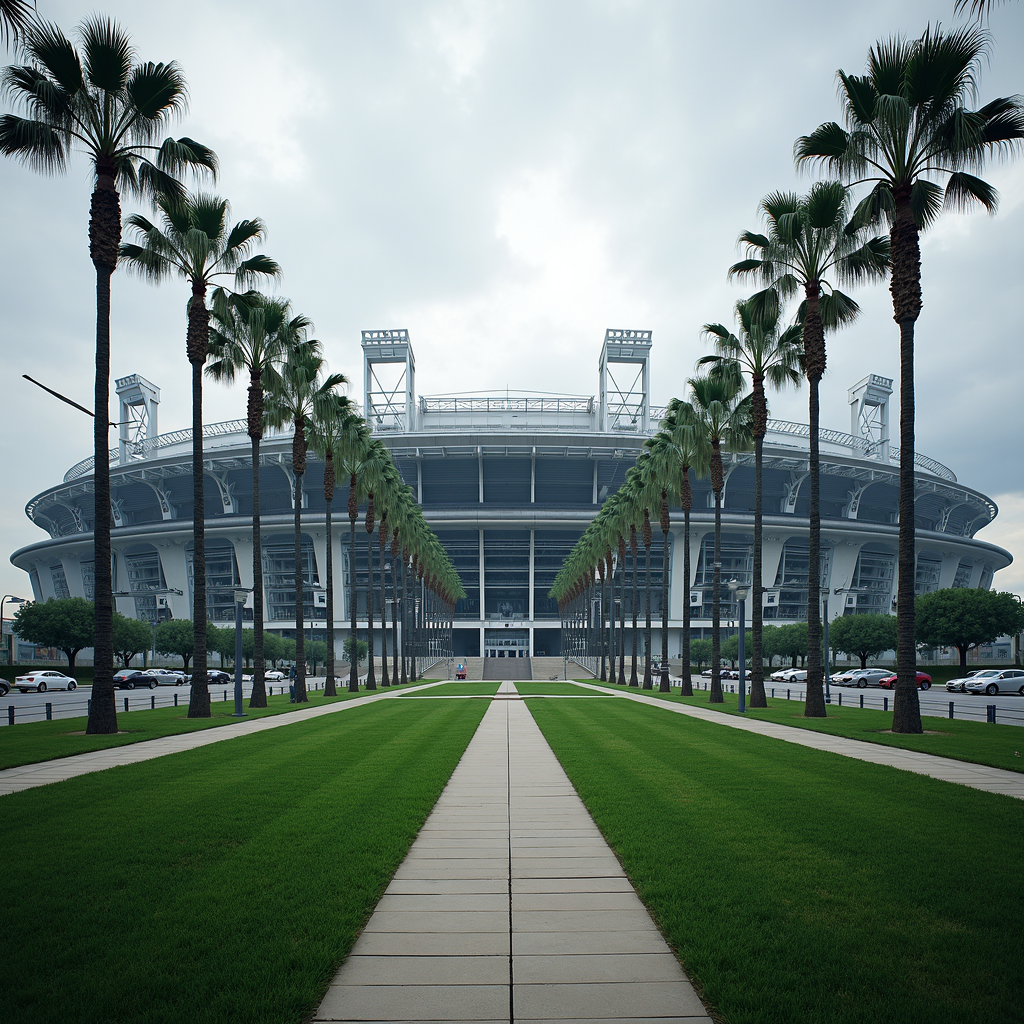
[(316, 653), (908, 128), (273, 648), (700, 652), (792, 641), (66, 623), (221, 640), (174, 638), (99, 100), (362, 649), (131, 637), (248, 646), (863, 636), (965, 618), (770, 644)]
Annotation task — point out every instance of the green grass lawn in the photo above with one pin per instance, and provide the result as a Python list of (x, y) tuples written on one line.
[(540, 689), (798, 885), (1000, 746), (31, 742), (475, 689), (218, 885)]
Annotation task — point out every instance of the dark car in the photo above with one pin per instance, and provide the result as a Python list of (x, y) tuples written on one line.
[(133, 678), (213, 676), (924, 681), (5, 687)]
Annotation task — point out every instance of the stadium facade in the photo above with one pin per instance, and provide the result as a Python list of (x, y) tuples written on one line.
[(508, 484)]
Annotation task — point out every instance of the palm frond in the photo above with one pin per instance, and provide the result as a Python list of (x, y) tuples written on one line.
[(34, 143), (965, 190), (155, 91), (49, 48), (108, 54), (15, 18)]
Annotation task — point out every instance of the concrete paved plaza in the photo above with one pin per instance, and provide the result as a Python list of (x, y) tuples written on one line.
[(510, 906)]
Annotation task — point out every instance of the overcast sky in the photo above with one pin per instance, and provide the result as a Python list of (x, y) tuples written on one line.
[(506, 180)]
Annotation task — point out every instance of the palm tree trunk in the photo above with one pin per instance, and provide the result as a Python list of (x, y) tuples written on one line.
[(664, 686), (104, 239), (405, 619), (382, 540), (814, 358), (717, 482), (258, 697), (758, 698), (330, 686), (601, 635), (634, 548), (648, 681), (371, 675), (199, 699), (906, 296), (686, 500), (300, 625), (622, 612), (395, 675)]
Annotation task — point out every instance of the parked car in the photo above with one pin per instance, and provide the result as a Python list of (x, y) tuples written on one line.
[(43, 679), (213, 675), (168, 676), (957, 685), (842, 678), (134, 678), (783, 675), (924, 681), (996, 680), (5, 687), (274, 675), (862, 677)]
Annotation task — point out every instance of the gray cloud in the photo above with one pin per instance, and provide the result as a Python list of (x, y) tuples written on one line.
[(507, 180)]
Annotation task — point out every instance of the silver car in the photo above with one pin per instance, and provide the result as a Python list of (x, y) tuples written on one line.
[(996, 680), (868, 676), (167, 676)]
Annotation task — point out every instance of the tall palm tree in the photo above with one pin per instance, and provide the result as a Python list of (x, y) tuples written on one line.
[(768, 353), (249, 334), (299, 392), (909, 129), (196, 244), (691, 445), (724, 420), (375, 476), (327, 434), (99, 101), (810, 241)]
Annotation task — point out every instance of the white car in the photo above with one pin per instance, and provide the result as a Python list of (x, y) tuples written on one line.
[(274, 675), (42, 680), (784, 675), (168, 677), (990, 681)]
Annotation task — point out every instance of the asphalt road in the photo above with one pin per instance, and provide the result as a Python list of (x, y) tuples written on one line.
[(31, 707)]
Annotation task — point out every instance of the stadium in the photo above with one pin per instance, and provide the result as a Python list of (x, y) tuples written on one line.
[(508, 483)]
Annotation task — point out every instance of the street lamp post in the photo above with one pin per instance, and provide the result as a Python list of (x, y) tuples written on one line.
[(741, 595), (10, 647), (824, 619), (241, 596)]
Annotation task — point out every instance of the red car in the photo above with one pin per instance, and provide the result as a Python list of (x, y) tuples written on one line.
[(924, 681)]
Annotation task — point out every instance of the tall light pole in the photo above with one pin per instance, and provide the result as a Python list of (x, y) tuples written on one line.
[(740, 591), (10, 646), (241, 596)]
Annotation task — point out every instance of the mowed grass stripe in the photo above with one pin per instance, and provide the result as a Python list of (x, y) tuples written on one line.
[(998, 746), (799, 885), (220, 884)]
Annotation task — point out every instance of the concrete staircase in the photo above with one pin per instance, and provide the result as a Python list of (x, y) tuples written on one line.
[(507, 668), (548, 668)]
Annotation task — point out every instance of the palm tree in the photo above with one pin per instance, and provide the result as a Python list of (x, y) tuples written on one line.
[(909, 128), (724, 421), (810, 240), (767, 353), (375, 476), (690, 443), (196, 244), (249, 334), (15, 18), (114, 110), (299, 393), (327, 433), (980, 9)]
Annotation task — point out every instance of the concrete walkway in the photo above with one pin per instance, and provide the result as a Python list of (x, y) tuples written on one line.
[(28, 776), (510, 906), (977, 776)]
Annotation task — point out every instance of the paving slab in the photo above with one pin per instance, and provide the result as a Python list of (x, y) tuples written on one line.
[(510, 906)]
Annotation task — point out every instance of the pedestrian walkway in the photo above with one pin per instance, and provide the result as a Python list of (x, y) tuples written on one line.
[(28, 776), (977, 776), (510, 906)]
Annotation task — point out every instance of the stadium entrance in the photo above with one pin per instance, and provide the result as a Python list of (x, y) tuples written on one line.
[(506, 643)]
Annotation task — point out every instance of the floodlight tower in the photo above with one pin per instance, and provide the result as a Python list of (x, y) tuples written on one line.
[(389, 406), (630, 408), (137, 420), (869, 414)]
